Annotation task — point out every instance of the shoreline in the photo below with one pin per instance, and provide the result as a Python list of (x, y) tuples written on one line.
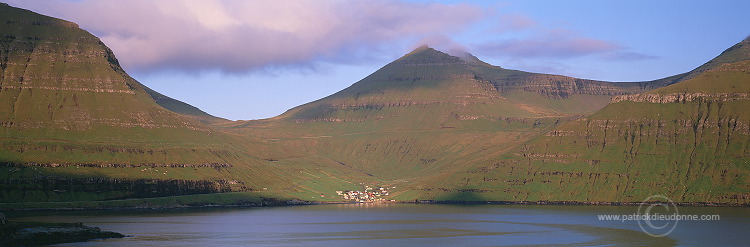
[(577, 203), (275, 203)]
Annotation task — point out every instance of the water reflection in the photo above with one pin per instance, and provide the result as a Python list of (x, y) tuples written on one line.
[(399, 225)]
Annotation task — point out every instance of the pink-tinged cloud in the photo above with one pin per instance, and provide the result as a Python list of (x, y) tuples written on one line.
[(239, 36), (557, 43), (444, 44), (514, 22), (626, 56)]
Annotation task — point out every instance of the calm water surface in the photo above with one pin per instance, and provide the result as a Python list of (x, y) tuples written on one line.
[(404, 225)]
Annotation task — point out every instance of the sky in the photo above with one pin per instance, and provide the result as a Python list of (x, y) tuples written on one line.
[(246, 59)]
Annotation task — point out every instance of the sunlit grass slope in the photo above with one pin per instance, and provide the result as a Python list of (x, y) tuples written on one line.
[(688, 141), (75, 126)]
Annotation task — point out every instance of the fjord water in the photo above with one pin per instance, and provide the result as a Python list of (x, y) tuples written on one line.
[(403, 225)]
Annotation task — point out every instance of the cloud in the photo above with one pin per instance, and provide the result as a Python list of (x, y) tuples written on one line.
[(514, 22), (554, 43), (444, 44), (626, 56), (544, 66), (240, 36)]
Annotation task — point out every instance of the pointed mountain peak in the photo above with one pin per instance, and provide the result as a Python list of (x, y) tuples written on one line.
[(424, 49), (425, 53), (421, 48)]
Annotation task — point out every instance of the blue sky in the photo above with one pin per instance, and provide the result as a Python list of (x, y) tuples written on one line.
[(256, 59)]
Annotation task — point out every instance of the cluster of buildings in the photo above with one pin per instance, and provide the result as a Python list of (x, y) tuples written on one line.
[(369, 195)]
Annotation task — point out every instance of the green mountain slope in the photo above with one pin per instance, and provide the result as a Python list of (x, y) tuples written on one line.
[(688, 141), (428, 112), (75, 126), (60, 83), (427, 77)]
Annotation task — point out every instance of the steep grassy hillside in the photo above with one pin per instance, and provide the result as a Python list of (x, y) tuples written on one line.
[(62, 86), (689, 141), (75, 126)]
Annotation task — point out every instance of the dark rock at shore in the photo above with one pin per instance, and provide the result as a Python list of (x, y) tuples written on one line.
[(31, 234)]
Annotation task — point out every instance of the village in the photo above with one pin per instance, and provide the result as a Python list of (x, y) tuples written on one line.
[(369, 195)]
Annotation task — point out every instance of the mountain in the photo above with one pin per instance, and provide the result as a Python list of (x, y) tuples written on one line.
[(427, 77), (427, 112), (687, 141), (72, 121), (454, 128), (60, 83)]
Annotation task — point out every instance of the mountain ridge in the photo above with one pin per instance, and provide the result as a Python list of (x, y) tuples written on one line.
[(428, 64)]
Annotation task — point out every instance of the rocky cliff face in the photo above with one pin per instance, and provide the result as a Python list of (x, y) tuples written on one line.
[(680, 97), (555, 86)]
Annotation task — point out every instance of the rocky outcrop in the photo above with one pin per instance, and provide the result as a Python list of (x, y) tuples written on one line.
[(680, 97), (36, 234), (559, 87), (60, 23), (151, 165)]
